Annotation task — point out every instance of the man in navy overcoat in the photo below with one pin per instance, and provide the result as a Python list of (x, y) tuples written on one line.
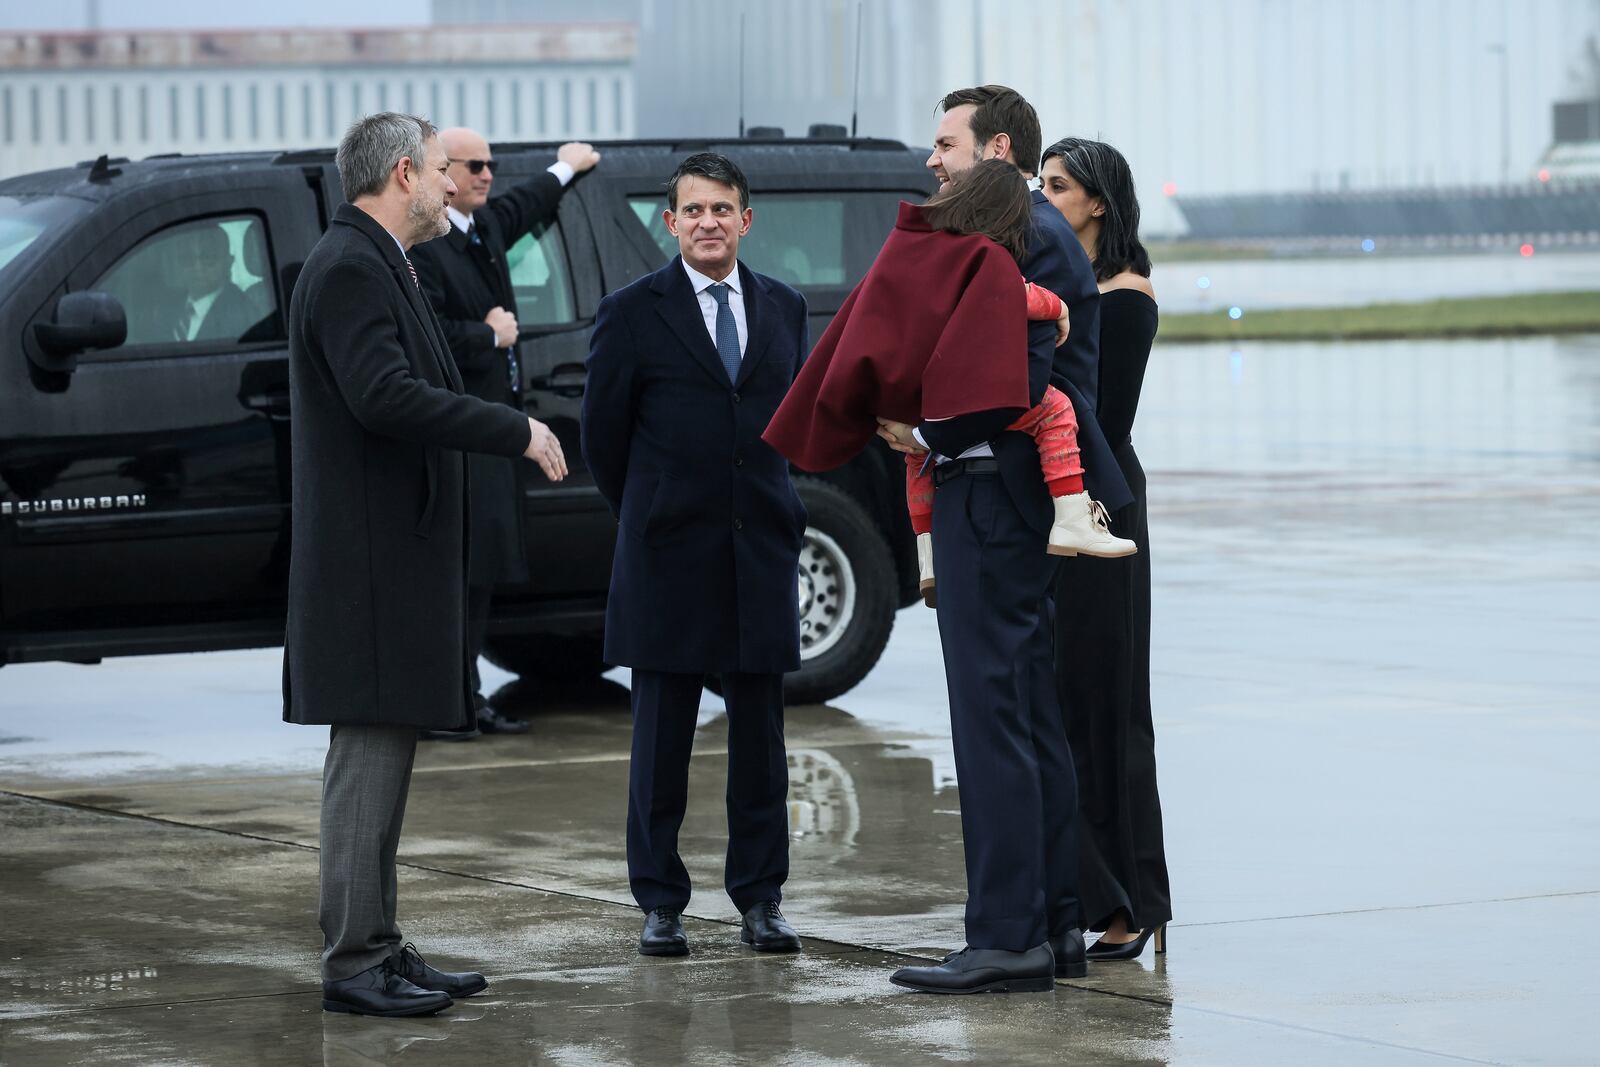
[(991, 520), (686, 367)]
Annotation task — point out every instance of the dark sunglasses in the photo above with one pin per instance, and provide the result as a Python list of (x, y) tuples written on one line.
[(477, 166)]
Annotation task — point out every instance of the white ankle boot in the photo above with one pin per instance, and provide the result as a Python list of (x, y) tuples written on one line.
[(1081, 526), (925, 567)]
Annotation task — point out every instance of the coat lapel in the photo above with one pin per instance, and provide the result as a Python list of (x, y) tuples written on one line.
[(430, 326), (482, 257), (389, 249), (680, 309), (761, 322)]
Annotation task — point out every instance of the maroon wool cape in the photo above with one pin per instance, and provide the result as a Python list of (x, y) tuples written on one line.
[(937, 328)]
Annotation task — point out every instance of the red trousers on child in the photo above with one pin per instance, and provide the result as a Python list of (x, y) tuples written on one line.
[(1051, 423)]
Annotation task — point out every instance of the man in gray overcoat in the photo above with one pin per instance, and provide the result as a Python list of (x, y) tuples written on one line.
[(376, 639)]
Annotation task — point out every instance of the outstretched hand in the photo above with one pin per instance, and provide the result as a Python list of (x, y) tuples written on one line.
[(545, 449)]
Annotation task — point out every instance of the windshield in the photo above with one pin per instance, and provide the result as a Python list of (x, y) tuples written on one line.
[(24, 219)]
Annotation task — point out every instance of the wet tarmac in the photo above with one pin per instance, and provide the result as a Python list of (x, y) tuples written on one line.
[(1375, 680)]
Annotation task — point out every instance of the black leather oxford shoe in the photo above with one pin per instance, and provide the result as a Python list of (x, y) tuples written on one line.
[(1069, 952), (766, 930), (984, 970), (381, 990), (492, 722), (416, 970), (663, 934)]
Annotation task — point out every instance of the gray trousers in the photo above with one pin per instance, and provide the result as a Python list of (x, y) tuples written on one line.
[(364, 785)]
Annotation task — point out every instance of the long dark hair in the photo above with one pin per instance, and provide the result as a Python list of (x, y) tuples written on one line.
[(1103, 172), (991, 198)]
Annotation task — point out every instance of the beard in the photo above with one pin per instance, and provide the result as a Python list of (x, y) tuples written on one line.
[(426, 218)]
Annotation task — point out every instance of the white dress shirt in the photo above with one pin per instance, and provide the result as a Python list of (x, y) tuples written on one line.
[(708, 303), (198, 308)]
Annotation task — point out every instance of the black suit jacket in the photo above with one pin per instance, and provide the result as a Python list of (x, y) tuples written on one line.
[(377, 590), (230, 316), (703, 579), (463, 281)]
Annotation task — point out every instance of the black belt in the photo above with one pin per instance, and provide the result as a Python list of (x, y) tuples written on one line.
[(957, 467)]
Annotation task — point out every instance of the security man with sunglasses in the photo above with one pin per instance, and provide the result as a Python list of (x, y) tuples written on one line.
[(468, 280)]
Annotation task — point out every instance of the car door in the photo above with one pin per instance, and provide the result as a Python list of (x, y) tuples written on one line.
[(170, 453), (555, 275)]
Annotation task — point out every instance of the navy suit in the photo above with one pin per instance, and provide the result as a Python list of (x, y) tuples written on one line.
[(1019, 790), (703, 580)]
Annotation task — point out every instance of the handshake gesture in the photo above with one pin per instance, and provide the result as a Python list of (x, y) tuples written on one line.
[(545, 450)]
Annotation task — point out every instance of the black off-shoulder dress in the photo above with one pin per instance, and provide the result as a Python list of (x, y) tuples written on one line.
[(1103, 661)]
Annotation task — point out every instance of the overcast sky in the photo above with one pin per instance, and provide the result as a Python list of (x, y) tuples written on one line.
[(205, 14)]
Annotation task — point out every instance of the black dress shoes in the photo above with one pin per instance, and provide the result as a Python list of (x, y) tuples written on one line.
[(1069, 953), (492, 722), (984, 970), (416, 970), (766, 930), (663, 934), (382, 990)]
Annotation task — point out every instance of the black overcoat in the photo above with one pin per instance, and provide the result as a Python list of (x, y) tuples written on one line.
[(377, 586), (463, 281), (710, 524)]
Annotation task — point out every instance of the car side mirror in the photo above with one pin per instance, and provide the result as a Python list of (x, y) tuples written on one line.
[(81, 322)]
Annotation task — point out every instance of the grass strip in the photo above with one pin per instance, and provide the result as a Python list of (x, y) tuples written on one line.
[(1489, 316)]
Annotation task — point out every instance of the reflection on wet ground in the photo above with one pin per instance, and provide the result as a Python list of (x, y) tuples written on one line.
[(1358, 279), (1375, 685)]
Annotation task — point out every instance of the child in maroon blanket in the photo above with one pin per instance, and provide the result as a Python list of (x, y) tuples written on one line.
[(936, 330)]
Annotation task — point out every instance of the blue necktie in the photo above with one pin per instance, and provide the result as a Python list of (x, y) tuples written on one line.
[(727, 332)]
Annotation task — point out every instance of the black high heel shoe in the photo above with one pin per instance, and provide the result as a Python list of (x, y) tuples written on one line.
[(1129, 950)]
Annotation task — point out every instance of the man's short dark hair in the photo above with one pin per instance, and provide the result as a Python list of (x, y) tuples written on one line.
[(1002, 110), (717, 168)]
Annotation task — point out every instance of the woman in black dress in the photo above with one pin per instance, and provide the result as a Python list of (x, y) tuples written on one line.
[(1103, 620)]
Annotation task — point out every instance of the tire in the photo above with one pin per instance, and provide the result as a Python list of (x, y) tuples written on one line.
[(562, 659), (845, 566)]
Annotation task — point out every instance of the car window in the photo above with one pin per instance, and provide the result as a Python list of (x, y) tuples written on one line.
[(23, 219), (540, 278), (206, 282), (804, 239)]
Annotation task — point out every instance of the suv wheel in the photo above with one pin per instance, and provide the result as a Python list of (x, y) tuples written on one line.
[(846, 585)]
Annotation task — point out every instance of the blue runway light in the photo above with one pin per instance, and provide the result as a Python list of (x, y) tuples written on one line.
[(1368, 245), (1203, 282), (1236, 312)]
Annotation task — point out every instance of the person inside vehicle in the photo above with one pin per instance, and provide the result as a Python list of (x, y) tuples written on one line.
[(200, 273)]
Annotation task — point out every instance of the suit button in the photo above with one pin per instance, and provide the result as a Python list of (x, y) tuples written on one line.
[(738, 461), (738, 524), (735, 398)]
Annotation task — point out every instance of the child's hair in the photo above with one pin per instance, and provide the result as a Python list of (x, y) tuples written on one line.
[(991, 198)]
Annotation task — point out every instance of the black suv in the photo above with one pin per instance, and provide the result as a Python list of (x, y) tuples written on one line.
[(144, 435)]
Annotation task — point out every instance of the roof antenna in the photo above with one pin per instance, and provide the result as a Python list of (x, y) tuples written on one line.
[(741, 72), (855, 92)]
